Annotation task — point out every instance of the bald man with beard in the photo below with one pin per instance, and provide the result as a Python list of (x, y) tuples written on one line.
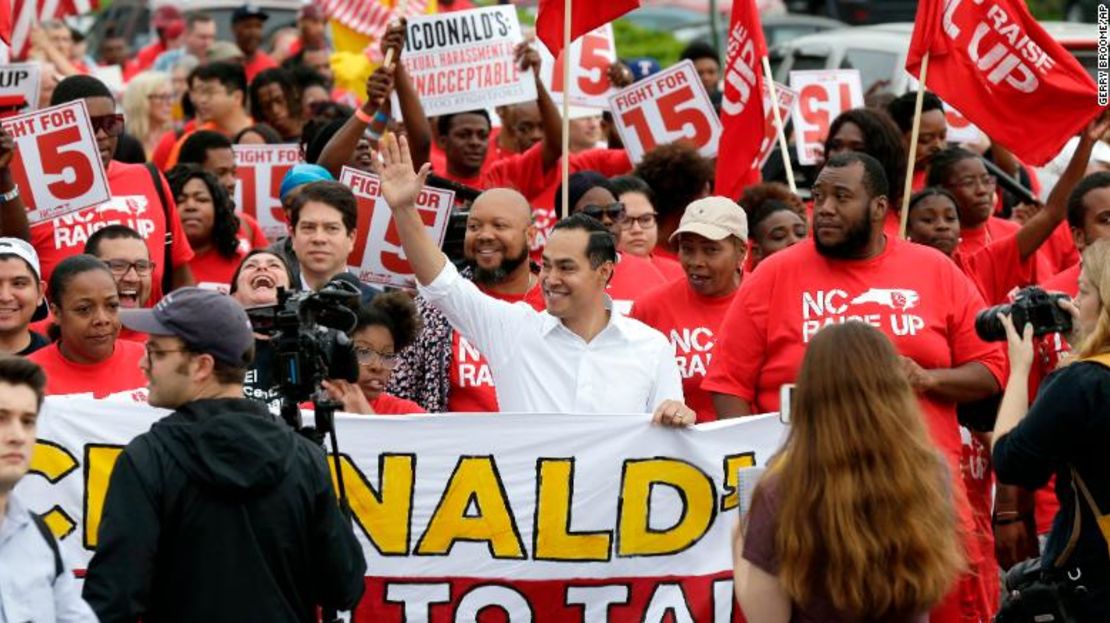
[(441, 371)]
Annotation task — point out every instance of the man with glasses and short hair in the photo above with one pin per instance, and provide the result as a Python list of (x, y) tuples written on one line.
[(136, 202), (128, 257), (219, 470)]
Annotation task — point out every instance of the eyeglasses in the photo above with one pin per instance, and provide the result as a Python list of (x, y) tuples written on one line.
[(120, 267), (367, 356), (615, 211), (160, 97), (970, 183), (111, 124), (158, 353), (645, 221)]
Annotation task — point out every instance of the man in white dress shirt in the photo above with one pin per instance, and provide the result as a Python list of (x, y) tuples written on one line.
[(575, 357)]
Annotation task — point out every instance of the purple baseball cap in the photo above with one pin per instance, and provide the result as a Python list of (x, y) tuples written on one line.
[(206, 320)]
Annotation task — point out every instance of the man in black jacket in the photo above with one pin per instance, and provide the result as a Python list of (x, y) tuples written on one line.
[(219, 513)]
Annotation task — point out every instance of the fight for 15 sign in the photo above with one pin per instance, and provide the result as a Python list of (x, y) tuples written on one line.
[(57, 162), (665, 107)]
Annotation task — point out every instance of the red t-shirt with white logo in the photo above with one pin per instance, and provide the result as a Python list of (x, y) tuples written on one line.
[(134, 203), (690, 321), (471, 389), (118, 373)]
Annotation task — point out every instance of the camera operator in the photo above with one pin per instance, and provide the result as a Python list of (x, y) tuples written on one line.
[(1065, 432), (219, 513)]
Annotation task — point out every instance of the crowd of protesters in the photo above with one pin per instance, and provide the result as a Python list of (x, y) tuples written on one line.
[(651, 295)]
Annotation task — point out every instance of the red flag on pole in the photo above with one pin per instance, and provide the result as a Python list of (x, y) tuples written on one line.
[(585, 16), (994, 63), (6, 21), (742, 106)]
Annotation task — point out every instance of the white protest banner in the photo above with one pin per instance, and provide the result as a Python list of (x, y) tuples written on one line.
[(822, 95), (260, 169), (464, 60), (548, 518), (19, 88), (57, 162), (666, 107), (786, 104), (590, 58), (377, 256)]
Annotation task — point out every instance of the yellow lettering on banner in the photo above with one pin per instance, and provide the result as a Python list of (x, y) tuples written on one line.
[(53, 462), (733, 463), (553, 538), (385, 513), (99, 462), (639, 477), (475, 482)]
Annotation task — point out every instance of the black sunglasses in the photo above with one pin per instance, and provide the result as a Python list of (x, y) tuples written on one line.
[(615, 211), (111, 124)]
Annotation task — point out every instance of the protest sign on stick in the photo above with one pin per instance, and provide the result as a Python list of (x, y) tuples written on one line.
[(822, 95), (668, 106), (590, 58), (260, 169), (377, 256), (57, 163), (463, 60)]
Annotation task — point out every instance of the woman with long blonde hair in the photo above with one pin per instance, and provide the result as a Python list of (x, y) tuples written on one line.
[(148, 108), (854, 520), (1066, 432)]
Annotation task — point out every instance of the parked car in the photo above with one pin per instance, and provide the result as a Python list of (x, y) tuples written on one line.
[(858, 12), (776, 28), (879, 52), (131, 18)]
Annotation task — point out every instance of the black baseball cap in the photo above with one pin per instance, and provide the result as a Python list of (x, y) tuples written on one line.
[(206, 320), (248, 11)]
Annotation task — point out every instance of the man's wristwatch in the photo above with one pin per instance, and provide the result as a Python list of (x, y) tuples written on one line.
[(11, 195)]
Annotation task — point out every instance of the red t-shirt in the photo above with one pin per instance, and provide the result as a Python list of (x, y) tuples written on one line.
[(1060, 249), (913, 294), (214, 271), (669, 266), (145, 57), (972, 240), (690, 321), (118, 373), (632, 277), (388, 404), (438, 158), (259, 62), (471, 389), (996, 269), (134, 203)]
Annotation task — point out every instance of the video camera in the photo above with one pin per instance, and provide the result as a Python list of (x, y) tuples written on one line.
[(309, 333), (1031, 305)]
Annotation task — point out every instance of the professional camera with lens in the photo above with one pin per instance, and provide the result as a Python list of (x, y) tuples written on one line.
[(1031, 305), (310, 337)]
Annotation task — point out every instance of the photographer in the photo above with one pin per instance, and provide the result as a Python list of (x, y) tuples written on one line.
[(1066, 432), (219, 513)]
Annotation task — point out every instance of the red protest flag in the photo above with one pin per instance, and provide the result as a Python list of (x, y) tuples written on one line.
[(994, 63), (6, 21), (585, 16), (743, 112)]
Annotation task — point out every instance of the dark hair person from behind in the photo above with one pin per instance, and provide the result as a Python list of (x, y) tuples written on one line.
[(870, 538), (1066, 432)]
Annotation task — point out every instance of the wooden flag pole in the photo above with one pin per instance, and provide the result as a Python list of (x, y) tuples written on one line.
[(564, 209), (907, 188), (400, 12), (778, 125)]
